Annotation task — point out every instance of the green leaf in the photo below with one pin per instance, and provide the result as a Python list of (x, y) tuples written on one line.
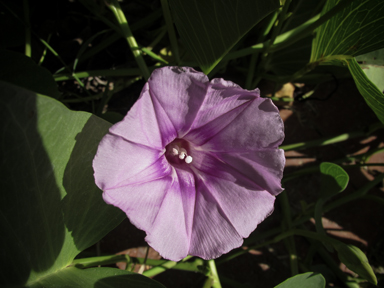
[(308, 279), (375, 74), (334, 179), (291, 59), (20, 70), (301, 12), (356, 30), (372, 58), (50, 207), (96, 278), (210, 28), (371, 93), (373, 67), (355, 260)]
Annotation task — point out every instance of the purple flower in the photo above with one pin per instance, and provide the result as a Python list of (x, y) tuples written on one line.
[(195, 163)]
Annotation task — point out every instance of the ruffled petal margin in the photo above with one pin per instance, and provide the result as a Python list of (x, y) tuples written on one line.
[(163, 208), (228, 208), (257, 127)]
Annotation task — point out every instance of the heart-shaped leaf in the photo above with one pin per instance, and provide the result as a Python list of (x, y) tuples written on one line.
[(96, 278), (50, 206), (20, 70), (210, 28), (371, 93), (334, 179), (308, 279), (356, 30)]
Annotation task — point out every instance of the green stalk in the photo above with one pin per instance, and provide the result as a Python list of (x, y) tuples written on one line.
[(65, 65), (105, 73), (283, 199), (154, 55), (164, 267), (100, 95), (377, 199), (314, 169), (93, 7), (215, 283), (120, 17), (266, 47), (117, 35), (333, 139), (28, 48), (290, 37), (44, 51), (251, 71), (308, 29), (171, 30), (355, 195), (255, 56)]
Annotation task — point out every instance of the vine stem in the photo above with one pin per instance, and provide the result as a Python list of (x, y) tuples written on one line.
[(215, 283), (120, 17)]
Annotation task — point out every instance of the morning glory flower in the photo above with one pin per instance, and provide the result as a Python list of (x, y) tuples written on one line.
[(195, 163)]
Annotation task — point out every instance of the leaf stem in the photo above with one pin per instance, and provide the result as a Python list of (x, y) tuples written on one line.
[(213, 274), (290, 37), (28, 48), (333, 139), (120, 17), (163, 267), (171, 30), (284, 202), (93, 73)]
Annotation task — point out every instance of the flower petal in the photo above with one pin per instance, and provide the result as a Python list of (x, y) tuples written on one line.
[(222, 97), (163, 208), (202, 134), (146, 125), (264, 167), (228, 208), (141, 202), (257, 127), (117, 160), (179, 92), (171, 232)]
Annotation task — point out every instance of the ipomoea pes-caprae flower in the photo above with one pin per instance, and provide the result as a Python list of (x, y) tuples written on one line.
[(195, 163)]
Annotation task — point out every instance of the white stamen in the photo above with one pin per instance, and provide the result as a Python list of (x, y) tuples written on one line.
[(175, 151), (188, 159), (183, 153)]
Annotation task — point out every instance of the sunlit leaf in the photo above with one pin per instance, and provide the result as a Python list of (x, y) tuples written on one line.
[(355, 260), (356, 30), (50, 206), (308, 279), (96, 278), (372, 58), (373, 66), (371, 93), (334, 179), (210, 28)]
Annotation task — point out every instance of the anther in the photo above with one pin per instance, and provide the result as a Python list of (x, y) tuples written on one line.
[(188, 159), (183, 153), (174, 150)]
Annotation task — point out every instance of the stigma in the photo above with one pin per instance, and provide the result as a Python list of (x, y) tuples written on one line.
[(177, 151)]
